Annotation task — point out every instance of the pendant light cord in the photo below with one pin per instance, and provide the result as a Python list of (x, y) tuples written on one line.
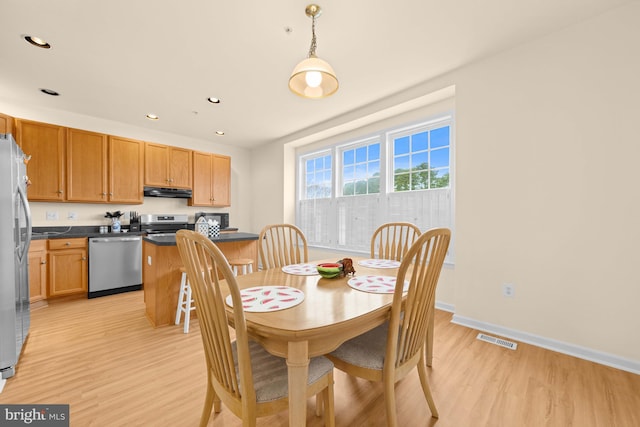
[(312, 48)]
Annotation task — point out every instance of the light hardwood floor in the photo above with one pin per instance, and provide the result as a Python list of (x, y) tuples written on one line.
[(103, 358)]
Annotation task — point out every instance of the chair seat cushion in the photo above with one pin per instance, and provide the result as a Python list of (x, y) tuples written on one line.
[(270, 378), (366, 350)]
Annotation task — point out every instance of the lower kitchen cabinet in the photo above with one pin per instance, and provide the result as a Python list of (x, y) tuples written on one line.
[(68, 266), (37, 270)]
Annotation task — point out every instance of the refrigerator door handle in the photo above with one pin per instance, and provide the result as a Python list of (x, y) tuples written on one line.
[(27, 214)]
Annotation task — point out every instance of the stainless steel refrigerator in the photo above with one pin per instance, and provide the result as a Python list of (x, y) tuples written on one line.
[(15, 237)]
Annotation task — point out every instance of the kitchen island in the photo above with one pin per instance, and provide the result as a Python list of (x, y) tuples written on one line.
[(161, 270)]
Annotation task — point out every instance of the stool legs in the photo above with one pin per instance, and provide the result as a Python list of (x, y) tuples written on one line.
[(246, 264), (185, 302)]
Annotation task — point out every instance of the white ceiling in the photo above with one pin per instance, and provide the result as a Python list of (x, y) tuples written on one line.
[(122, 59)]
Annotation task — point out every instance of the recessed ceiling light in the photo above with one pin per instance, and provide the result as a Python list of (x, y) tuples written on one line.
[(37, 41), (219, 133), (49, 92), (152, 117), (213, 100)]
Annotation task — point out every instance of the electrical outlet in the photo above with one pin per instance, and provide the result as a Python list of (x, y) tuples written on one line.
[(149, 259), (508, 290), (52, 216), (72, 215)]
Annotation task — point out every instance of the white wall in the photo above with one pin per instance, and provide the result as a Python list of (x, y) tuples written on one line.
[(547, 196), (546, 187), (93, 214)]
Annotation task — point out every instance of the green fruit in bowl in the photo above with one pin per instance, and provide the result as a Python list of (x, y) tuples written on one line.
[(329, 270)]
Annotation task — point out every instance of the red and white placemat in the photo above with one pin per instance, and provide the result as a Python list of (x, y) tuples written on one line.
[(261, 299), (376, 284), (379, 263), (301, 269)]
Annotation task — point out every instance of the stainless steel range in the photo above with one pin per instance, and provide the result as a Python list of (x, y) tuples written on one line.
[(163, 224)]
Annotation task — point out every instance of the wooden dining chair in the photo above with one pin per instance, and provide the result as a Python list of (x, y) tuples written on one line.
[(390, 351), (282, 244), (251, 382), (392, 240)]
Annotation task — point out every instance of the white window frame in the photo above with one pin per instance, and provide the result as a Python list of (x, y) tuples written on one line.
[(346, 223), (340, 150)]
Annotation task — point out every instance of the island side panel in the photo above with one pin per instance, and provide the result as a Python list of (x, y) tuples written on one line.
[(161, 283), (240, 249), (161, 276)]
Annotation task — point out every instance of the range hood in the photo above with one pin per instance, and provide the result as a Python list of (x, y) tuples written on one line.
[(176, 193)]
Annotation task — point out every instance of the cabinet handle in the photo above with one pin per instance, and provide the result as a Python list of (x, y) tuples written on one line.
[(43, 262), (67, 243), (59, 191), (104, 194), (84, 258), (110, 194)]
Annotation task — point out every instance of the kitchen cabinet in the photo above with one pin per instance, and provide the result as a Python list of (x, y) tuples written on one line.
[(37, 270), (6, 124), (211, 180), (166, 166), (103, 169), (126, 170), (86, 166), (45, 144), (68, 267)]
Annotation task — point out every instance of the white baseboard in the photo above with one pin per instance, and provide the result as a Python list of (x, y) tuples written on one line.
[(602, 358), (445, 307)]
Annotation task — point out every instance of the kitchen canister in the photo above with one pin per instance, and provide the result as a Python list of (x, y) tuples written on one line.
[(214, 229), (202, 227)]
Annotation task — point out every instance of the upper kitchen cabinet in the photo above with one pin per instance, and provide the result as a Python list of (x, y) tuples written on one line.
[(45, 144), (6, 124), (103, 169), (126, 164), (166, 166), (86, 166), (211, 180)]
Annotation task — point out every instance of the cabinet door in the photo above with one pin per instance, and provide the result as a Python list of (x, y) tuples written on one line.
[(156, 163), (6, 124), (221, 180), (126, 164), (179, 167), (68, 273), (202, 180), (45, 144), (86, 166), (37, 271)]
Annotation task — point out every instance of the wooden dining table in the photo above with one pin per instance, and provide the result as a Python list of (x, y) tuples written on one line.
[(332, 312)]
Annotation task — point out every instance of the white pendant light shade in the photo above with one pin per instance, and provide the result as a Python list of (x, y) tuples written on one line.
[(313, 78)]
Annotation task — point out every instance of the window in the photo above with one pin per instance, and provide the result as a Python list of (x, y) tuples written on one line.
[(361, 169), (400, 174), (317, 174), (421, 159)]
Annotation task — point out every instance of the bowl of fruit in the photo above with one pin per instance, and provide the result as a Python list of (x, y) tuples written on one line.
[(329, 270)]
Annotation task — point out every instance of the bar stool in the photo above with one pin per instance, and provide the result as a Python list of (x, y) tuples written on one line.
[(185, 302), (245, 263)]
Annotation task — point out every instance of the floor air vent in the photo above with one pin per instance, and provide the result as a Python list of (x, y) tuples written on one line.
[(497, 341)]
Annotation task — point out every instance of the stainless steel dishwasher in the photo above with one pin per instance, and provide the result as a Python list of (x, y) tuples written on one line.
[(115, 265)]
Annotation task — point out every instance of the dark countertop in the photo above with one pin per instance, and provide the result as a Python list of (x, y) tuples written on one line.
[(42, 233), (224, 237)]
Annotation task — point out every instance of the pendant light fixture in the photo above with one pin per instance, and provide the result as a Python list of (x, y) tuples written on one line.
[(313, 77)]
